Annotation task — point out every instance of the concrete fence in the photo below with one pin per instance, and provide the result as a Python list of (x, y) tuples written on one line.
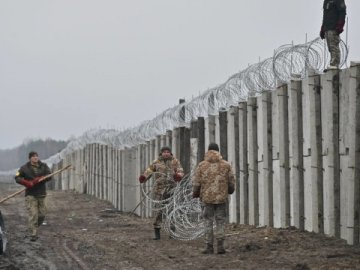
[(295, 152)]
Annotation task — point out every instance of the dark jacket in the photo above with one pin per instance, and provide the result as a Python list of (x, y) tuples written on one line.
[(334, 13), (27, 172)]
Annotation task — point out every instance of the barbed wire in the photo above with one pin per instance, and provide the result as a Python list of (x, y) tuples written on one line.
[(181, 212), (289, 62)]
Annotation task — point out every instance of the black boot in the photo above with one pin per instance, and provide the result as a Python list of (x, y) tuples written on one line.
[(40, 220), (220, 246), (157, 234), (209, 249)]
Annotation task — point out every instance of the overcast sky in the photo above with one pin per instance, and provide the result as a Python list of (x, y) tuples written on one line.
[(67, 66)]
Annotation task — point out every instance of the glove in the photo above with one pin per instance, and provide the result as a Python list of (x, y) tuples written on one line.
[(36, 180), (322, 32), (177, 177), (340, 27), (196, 194), (27, 183), (142, 179)]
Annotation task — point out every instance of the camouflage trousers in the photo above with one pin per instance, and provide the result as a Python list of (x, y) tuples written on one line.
[(333, 41), (165, 194), (214, 213), (36, 208)]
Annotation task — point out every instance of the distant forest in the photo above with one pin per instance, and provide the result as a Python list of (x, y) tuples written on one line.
[(13, 158)]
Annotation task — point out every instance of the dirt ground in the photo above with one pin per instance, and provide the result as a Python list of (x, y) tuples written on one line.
[(83, 232)]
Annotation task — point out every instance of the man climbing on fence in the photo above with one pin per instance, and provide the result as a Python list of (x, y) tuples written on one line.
[(167, 171), (29, 175), (331, 28)]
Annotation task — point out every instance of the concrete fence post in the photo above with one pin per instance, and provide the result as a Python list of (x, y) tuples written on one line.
[(140, 168), (153, 155), (232, 140), (217, 130), (284, 181), (119, 180), (210, 130), (193, 145), (168, 138), (349, 149), (266, 171), (193, 154), (194, 129), (52, 185), (92, 169), (78, 172), (331, 158), (146, 162), (110, 176), (158, 144), (97, 171), (116, 174), (163, 140), (184, 145), (86, 169), (201, 139), (131, 194), (253, 162), (223, 134), (105, 172), (102, 173), (59, 185), (243, 164), (316, 217), (175, 146), (122, 179), (67, 173), (72, 172), (297, 164)]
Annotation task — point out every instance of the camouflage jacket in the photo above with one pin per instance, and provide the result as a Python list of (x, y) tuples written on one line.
[(214, 179), (165, 170)]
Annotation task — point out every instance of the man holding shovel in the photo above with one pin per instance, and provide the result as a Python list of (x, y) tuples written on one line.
[(30, 175)]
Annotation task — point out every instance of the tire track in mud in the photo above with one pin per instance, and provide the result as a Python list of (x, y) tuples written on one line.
[(33, 256), (74, 257), (61, 254), (22, 254)]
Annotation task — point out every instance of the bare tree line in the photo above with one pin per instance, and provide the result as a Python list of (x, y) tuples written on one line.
[(15, 157)]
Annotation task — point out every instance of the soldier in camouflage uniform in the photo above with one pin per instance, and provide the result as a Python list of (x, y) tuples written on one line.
[(29, 176), (213, 181), (332, 26), (169, 171)]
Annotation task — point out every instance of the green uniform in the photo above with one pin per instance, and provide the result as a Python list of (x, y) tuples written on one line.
[(164, 182)]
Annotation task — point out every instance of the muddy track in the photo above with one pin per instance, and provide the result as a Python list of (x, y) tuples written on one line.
[(83, 232)]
